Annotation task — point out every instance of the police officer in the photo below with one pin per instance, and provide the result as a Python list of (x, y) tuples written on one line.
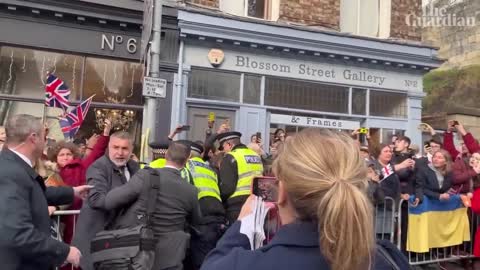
[(213, 220), (239, 166), (158, 149)]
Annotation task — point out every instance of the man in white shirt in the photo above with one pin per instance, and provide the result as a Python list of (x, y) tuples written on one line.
[(25, 241)]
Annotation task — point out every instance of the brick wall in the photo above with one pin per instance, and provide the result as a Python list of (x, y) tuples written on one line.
[(400, 10), (207, 3), (324, 13)]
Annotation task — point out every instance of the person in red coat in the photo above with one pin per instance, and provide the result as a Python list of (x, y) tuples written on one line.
[(72, 169), (476, 210), (462, 169)]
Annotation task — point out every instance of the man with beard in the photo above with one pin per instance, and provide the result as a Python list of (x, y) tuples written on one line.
[(110, 171)]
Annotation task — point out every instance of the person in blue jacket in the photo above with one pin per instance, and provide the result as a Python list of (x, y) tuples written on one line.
[(327, 217)]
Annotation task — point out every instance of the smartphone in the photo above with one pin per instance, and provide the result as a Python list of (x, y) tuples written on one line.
[(266, 188), (185, 128), (427, 144), (455, 123), (259, 137)]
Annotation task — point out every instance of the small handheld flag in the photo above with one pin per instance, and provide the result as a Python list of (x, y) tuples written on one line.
[(72, 122), (56, 93)]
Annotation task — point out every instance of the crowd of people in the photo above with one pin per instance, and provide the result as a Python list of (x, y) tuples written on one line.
[(399, 171), (327, 184)]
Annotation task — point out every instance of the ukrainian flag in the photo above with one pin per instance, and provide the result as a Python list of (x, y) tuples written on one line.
[(437, 224)]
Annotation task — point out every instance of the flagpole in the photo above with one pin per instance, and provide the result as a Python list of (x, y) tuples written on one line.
[(44, 116), (145, 147), (45, 107)]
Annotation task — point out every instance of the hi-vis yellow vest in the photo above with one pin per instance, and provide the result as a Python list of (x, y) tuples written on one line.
[(160, 163), (204, 178), (156, 164), (185, 173), (249, 165)]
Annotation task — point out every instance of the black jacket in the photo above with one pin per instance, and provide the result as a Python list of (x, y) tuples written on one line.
[(427, 183), (25, 239), (103, 175), (390, 184), (176, 208), (405, 176), (295, 246)]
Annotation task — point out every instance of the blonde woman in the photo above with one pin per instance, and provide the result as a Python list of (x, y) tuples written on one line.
[(326, 215)]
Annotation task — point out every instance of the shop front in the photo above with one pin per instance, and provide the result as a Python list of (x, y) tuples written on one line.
[(259, 77), (94, 54)]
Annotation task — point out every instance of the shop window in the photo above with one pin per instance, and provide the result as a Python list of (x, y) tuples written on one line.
[(113, 81), (305, 95), (214, 85), (23, 72), (388, 104), (169, 46), (359, 101), (252, 89), (92, 124), (387, 134), (262, 9), (366, 17), (9, 108), (122, 119)]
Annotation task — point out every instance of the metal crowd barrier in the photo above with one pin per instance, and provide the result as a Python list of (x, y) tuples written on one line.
[(385, 216), (388, 226), (57, 226), (438, 255)]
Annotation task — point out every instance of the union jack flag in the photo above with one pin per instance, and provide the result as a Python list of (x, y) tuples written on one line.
[(56, 93), (73, 120)]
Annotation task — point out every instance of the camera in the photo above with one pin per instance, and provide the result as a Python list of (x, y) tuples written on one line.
[(363, 130)]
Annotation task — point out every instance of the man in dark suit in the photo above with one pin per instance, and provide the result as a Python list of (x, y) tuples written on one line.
[(176, 208), (110, 171), (25, 240)]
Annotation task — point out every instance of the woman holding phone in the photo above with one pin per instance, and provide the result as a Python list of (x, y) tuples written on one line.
[(326, 215)]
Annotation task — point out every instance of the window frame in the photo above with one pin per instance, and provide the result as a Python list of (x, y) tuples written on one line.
[(384, 9)]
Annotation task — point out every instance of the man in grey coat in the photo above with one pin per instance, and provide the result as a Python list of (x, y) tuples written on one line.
[(176, 209), (112, 170), (25, 239)]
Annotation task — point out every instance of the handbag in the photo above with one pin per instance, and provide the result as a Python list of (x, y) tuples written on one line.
[(130, 248)]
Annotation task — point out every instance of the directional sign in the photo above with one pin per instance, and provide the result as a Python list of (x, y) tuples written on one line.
[(154, 87)]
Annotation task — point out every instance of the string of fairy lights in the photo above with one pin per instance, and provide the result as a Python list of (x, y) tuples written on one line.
[(51, 64), (111, 80)]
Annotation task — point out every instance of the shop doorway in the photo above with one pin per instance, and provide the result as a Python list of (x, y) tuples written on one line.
[(198, 121)]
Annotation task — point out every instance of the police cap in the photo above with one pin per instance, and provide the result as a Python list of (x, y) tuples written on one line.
[(159, 147), (197, 147)]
